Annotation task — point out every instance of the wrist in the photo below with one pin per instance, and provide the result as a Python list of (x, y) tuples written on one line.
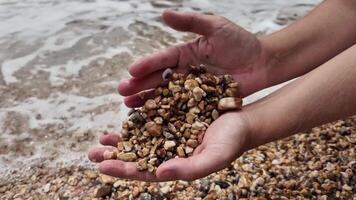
[(273, 58)]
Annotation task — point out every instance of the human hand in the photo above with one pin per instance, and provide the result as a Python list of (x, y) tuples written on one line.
[(224, 141), (222, 46)]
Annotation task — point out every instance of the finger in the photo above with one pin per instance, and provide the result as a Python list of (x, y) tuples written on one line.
[(199, 165), (137, 100), (125, 170), (110, 139), (191, 22), (134, 85), (157, 61), (96, 154)]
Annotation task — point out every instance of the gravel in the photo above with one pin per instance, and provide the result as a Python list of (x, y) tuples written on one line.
[(318, 164)]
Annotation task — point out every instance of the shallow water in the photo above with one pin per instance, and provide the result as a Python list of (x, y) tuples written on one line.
[(61, 61)]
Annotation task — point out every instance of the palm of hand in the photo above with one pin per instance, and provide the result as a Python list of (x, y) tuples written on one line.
[(226, 49), (222, 143)]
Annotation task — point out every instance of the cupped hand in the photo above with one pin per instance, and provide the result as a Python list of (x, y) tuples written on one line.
[(223, 142), (222, 46)]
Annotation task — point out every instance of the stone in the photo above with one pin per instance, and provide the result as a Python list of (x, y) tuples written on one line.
[(214, 114), (188, 150), (229, 103), (107, 179), (222, 184), (198, 126), (127, 145), (198, 93), (190, 117), (153, 128), (150, 104), (180, 151), (128, 157), (145, 196), (142, 164), (169, 144), (192, 143), (231, 92), (190, 84), (102, 191), (167, 74)]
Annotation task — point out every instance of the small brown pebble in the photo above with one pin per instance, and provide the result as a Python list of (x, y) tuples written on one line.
[(229, 103), (127, 145), (153, 128), (180, 151), (150, 104), (91, 174), (190, 117), (102, 191), (169, 144), (107, 179), (188, 150), (192, 143), (198, 93), (231, 92), (214, 114), (128, 157), (190, 84), (198, 126), (142, 164)]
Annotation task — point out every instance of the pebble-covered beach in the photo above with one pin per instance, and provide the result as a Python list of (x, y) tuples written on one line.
[(61, 61), (318, 164)]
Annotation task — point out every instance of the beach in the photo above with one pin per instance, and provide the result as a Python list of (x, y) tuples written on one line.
[(61, 62)]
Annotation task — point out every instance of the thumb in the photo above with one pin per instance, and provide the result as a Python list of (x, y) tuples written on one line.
[(191, 22)]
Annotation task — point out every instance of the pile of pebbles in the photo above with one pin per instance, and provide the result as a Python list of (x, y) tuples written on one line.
[(173, 123), (318, 164)]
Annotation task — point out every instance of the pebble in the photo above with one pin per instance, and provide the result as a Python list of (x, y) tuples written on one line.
[(127, 145), (222, 184), (198, 126), (214, 114), (102, 191), (188, 150), (153, 129), (145, 196), (150, 104), (128, 157), (46, 187), (107, 179), (180, 152), (169, 144), (229, 103), (190, 84), (198, 93), (192, 143), (167, 74)]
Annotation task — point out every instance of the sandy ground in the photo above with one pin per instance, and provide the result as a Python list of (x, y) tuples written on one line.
[(62, 60)]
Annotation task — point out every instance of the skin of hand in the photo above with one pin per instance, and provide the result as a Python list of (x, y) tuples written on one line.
[(222, 46), (323, 95), (297, 49), (224, 140)]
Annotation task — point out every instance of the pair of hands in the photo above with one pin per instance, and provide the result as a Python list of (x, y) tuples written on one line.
[(224, 48)]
